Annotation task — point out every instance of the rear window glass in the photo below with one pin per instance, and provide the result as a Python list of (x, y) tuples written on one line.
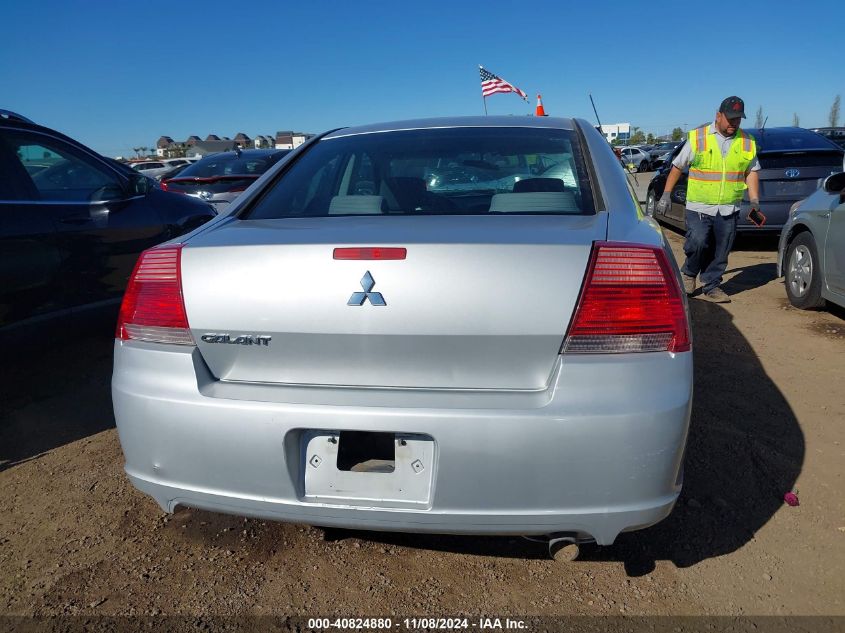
[(463, 171), (776, 160), (229, 165)]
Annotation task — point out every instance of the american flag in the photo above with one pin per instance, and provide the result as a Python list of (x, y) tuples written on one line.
[(491, 84)]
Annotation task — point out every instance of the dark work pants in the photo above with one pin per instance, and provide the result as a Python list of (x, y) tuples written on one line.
[(708, 242)]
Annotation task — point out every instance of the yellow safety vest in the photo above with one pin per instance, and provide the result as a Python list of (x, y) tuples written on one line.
[(717, 180)]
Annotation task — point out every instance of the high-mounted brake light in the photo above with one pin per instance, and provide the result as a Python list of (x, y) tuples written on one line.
[(153, 308), (631, 302), (370, 252)]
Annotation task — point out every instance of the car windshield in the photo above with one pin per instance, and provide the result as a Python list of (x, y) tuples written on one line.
[(467, 171), (230, 165)]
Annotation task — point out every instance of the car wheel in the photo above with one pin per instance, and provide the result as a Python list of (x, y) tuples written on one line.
[(651, 205), (803, 277), (643, 166)]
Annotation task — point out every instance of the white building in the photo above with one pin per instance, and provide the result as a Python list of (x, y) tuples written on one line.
[(291, 140), (617, 131)]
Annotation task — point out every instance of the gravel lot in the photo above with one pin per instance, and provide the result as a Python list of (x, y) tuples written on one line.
[(75, 538)]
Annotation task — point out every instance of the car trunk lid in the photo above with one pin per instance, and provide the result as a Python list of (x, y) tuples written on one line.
[(477, 303)]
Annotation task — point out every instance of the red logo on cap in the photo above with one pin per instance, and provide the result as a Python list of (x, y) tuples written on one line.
[(736, 106)]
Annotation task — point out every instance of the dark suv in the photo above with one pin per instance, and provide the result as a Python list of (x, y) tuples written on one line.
[(72, 224), (792, 160)]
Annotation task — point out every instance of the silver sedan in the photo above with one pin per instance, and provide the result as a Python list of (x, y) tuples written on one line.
[(636, 159), (350, 346), (811, 251)]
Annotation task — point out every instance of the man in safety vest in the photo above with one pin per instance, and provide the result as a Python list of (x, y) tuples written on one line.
[(722, 161)]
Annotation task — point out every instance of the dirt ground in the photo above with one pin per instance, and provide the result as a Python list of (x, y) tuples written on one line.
[(76, 538)]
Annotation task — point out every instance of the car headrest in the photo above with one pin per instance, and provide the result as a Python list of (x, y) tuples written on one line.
[(538, 184)]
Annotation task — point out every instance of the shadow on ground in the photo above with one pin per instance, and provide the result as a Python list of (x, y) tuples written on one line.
[(749, 277), (54, 395)]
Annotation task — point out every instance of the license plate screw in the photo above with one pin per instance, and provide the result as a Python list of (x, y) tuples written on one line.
[(403, 443), (332, 439), (417, 466), (315, 461)]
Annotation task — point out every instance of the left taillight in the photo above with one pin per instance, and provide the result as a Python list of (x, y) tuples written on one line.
[(153, 308)]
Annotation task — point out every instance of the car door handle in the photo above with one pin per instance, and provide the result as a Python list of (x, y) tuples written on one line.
[(77, 220)]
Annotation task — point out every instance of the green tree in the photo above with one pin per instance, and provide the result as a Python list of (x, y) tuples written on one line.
[(637, 137), (796, 122), (677, 134), (833, 117), (650, 139), (758, 122)]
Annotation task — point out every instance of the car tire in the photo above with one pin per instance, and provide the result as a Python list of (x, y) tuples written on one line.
[(643, 166), (651, 205), (802, 277)]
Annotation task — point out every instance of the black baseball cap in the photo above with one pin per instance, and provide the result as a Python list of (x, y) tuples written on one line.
[(733, 107)]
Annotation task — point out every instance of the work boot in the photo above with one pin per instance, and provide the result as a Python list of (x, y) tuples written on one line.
[(689, 284), (717, 295)]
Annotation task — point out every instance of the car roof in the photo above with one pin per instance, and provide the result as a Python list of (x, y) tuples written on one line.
[(778, 139), (247, 153), (455, 122)]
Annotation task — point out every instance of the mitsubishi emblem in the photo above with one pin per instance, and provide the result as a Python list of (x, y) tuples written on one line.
[(359, 298)]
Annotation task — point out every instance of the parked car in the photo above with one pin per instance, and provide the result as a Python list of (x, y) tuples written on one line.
[(811, 251), (659, 151), (349, 347), (835, 134), (70, 232), (640, 159), (791, 162), (661, 160), (174, 166), (152, 168), (220, 178)]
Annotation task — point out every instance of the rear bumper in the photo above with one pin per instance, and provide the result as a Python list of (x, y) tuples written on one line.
[(597, 453)]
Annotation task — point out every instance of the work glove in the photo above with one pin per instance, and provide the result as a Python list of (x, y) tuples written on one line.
[(664, 204)]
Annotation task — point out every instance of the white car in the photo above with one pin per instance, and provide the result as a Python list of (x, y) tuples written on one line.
[(153, 168)]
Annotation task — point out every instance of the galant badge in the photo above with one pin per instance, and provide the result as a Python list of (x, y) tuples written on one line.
[(359, 298), (261, 340), (792, 173)]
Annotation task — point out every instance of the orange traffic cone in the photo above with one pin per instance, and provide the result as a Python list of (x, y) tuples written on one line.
[(540, 111)]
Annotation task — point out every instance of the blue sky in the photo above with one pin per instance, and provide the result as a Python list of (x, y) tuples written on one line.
[(116, 75)]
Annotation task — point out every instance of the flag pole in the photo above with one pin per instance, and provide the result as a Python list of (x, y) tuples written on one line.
[(484, 99)]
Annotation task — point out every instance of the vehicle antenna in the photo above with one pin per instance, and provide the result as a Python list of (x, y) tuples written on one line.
[(596, 112), (763, 129)]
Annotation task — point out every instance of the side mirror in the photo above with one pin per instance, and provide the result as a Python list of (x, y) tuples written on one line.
[(139, 185), (835, 183)]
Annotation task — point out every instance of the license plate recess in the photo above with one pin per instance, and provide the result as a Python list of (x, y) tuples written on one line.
[(381, 470)]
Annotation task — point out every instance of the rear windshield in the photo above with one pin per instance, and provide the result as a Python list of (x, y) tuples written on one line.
[(776, 160), (230, 165), (465, 171)]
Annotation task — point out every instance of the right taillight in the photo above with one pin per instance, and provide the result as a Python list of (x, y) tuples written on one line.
[(631, 302), (153, 309)]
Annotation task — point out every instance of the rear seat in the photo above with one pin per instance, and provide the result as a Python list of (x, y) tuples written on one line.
[(535, 202), (356, 205)]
